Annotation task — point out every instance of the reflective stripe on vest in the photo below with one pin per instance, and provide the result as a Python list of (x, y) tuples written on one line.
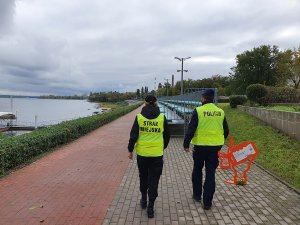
[(210, 130), (150, 142)]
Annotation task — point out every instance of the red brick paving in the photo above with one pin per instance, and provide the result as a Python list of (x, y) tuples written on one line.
[(73, 185)]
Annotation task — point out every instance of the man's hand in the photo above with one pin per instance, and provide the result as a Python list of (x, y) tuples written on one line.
[(186, 149), (130, 155)]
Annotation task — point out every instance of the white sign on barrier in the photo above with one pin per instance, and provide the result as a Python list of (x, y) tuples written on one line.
[(244, 153)]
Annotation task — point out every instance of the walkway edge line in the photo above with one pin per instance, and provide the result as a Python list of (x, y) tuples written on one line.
[(278, 178)]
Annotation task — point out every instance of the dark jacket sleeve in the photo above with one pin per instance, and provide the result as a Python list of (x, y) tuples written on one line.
[(134, 134), (166, 133), (191, 129), (225, 127)]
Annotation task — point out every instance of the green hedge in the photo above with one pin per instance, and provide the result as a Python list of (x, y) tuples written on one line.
[(2, 136), (255, 92), (20, 149), (235, 100), (282, 95), (223, 100)]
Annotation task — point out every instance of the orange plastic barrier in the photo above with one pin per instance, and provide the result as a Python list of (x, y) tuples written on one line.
[(224, 157), (245, 152)]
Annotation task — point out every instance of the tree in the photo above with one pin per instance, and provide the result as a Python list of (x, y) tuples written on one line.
[(215, 81), (142, 92), (293, 65), (111, 96), (260, 65), (219, 80), (152, 92), (138, 93)]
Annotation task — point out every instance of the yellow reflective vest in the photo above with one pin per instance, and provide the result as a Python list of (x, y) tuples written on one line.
[(210, 130), (150, 142)]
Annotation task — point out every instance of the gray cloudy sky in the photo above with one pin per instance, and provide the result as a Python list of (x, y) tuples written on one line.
[(68, 47)]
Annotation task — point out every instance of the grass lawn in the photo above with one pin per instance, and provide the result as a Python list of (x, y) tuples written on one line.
[(112, 105), (285, 108), (277, 152)]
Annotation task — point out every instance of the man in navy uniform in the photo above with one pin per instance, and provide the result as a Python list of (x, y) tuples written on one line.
[(207, 131)]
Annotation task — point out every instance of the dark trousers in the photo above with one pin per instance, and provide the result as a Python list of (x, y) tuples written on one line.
[(150, 169), (208, 156)]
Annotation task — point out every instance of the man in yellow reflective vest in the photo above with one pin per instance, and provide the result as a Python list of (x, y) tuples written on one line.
[(207, 131), (149, 137)]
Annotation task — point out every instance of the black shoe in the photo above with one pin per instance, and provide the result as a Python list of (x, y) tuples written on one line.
[(196, 198), (150, 212), (150, 209), (207, 207), (143, 203)]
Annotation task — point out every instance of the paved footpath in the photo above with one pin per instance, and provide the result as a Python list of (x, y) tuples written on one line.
[(91, 181), (264, 200), (73, 185)]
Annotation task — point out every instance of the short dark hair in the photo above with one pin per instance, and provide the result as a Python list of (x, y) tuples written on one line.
[(208, 93), (150, 99)]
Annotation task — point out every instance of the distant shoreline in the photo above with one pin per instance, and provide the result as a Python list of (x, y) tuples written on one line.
[(46, 97), (18, 96)]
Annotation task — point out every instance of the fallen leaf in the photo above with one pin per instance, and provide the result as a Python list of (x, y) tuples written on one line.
[(34, 206)]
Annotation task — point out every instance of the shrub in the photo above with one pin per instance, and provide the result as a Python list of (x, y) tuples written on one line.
[(282, 95), (255, 93), (223, 100), (20, 149), (237, 100)]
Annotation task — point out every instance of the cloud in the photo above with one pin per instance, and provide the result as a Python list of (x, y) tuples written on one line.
[(6, 15), (74, 47)]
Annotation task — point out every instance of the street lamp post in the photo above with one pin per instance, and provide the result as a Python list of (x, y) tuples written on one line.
[(182, 59), (167, 86)]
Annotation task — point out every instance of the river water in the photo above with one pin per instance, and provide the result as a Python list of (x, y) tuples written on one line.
[(48, 111)]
